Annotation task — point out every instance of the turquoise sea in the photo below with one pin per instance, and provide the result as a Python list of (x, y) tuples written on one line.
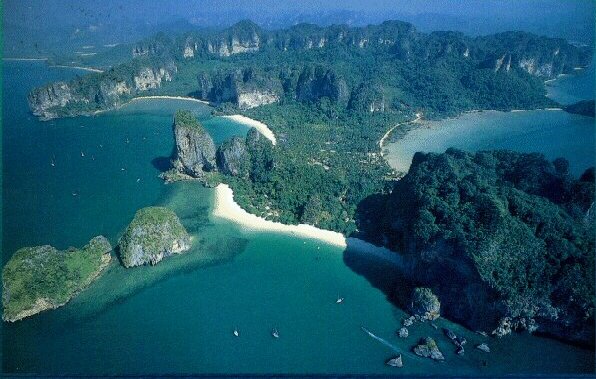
[(553, 133), (178, 316)]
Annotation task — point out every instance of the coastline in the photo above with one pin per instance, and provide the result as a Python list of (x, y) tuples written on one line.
[(382, 140), (90, 69), (167, 97), (224, 207), (261, 127)]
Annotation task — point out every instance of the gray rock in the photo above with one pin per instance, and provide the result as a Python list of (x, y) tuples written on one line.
[(403, 332), (425, 304), (409, 321), (153, 234), (195, 150), (233, 158), (449, 334), (484, 347), (460, 350), (395, 362), (428, 349), (504, 327)]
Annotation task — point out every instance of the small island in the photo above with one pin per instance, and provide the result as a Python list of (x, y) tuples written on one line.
[(153, 234), (41, 277)]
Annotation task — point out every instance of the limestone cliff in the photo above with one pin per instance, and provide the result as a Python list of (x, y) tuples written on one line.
[(233, 158), (99, 91), (154, 233), (195, 150)]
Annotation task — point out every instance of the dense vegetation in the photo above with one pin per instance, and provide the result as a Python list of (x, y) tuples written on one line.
[(328, 164), (154, 233), (514, 227), (41, 277)]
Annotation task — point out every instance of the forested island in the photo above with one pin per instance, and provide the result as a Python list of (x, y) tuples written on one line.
[(504, 239)]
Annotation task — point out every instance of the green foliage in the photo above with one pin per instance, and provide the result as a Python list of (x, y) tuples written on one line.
[(43, 272), (512, 216), (185, 118), (150, 235)]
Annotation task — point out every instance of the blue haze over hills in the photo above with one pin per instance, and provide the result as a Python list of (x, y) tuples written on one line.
[(38, 28)]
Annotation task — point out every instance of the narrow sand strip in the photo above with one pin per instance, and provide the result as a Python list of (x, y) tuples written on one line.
[(225, 207), (78, 68), (382, 140), (261, 127), (168, 97)]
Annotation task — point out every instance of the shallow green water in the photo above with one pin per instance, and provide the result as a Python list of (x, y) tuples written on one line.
[(553, 133), (178, 316)]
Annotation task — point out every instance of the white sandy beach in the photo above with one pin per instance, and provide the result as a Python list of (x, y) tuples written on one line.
[(225, 207), (91, 69), (261, 127), (168, 97), (382, 140)]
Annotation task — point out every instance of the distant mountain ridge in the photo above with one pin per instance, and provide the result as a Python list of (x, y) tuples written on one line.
[(442, 73)]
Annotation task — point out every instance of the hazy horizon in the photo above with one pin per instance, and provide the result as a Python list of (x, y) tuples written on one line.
[(46, 27)]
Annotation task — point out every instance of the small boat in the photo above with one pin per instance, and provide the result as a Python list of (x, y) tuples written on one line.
[(100, 146), (275, 333), (75, 193), (122, 169), (82, 154), (127, 140), (53, 163), (236, 333), (93, 157), (339, 300), (138, 180)]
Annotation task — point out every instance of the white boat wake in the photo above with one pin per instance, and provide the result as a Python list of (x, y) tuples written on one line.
[(381, 340)]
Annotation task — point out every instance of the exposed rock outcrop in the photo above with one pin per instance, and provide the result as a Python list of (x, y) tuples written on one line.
[(98, 91), (247, 88), (153, 234), (41, 277), (425, 304), (195, 149), (233, 158), (428, 348), (315, 83)]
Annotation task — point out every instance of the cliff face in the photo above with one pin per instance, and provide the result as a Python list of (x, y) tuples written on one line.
[(334, 69), (538, 56), (315, 83), (96, 92), (233, 158), (195, 150), (247, 88), (41, 277), (154, 233)]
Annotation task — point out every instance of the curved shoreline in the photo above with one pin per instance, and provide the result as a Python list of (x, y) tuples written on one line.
[(261, 127), (226, 208), (90, 69), (382, 140), (158, 97)]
